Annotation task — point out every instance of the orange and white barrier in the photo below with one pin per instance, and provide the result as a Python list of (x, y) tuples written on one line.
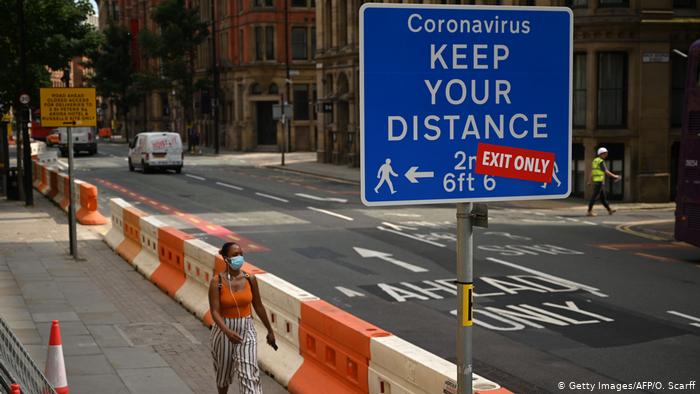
[(319, 344), (283, 302), (55, 365), (200, 264), (147, 261), (55, 185)]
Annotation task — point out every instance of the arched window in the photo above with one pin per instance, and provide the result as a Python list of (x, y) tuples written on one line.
[(255, 89), (273, 89)]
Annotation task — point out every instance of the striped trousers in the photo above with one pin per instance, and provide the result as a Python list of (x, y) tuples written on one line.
[(240, 359)]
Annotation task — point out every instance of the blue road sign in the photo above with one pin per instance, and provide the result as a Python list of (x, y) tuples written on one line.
[(464, 103)]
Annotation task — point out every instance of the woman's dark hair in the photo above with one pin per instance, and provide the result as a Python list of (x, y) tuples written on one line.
[(224, 249)]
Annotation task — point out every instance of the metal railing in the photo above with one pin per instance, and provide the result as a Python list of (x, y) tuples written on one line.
[(16, 366)]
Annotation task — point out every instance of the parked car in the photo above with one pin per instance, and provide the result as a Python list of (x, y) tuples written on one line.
[(83, 140), (156, 150), (54, 138)]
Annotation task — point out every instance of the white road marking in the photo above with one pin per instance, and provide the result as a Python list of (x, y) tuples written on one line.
[(410, 236), (539, 214), (697, 319), (368, 253), (589, 223), (349, 292), (316, 198), (406, 215), (271, 197), (229, 186), (590, 289), (572, 219), (199, 178), (332, 213)]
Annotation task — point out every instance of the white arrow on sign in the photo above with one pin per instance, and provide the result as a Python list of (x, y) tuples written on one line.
[(413, 174), (368, 253)]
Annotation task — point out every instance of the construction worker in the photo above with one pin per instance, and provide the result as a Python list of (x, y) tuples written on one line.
[(598, 173)]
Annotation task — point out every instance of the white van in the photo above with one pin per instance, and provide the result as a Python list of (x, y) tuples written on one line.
[(83, 140), (156, 150)]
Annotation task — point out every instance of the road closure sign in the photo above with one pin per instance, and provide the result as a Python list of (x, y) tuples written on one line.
[(464, 103), (66, 107)]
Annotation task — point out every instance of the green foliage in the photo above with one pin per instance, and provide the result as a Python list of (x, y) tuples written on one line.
[(111, 62), (56, 32), (174, 44)]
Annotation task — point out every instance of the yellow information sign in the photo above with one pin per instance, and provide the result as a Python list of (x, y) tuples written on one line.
[(66, 107)]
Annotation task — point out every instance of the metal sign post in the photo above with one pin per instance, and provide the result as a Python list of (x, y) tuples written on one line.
[(72, 231), (69, 107), (465, 294)]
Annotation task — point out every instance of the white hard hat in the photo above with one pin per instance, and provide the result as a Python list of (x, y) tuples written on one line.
[(602, 150)]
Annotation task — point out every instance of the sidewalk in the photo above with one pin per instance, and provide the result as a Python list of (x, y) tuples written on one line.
[(120, 333)]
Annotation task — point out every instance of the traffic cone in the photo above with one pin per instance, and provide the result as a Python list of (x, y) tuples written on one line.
[(14, 389), (55, 366)]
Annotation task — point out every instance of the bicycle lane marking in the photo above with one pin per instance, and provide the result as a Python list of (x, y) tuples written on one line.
[(207, 227)]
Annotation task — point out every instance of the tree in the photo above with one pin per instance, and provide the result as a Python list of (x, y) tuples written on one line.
[(175, 43), (56, 32), (114, 76)]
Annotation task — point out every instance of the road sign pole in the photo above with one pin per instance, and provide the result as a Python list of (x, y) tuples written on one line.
[(465, 260), (72, 233)]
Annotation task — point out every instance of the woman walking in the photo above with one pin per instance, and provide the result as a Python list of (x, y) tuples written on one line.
[(233, 338)]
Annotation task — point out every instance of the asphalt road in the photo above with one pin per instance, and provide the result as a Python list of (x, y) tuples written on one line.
[(559, 297)]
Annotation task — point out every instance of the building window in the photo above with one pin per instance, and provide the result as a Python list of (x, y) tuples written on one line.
[(300, 43), (301, 102), (263, 3), (273, 89), (264, 43), (270, 42), (223, 45), (240, 46), (612, 89), (683, 3), (577, 3), (239, 6), (327, 24), (300, 3), (313, 42), (613, 3), (580, 80), (255, 89), (679, 68), (342, 23)]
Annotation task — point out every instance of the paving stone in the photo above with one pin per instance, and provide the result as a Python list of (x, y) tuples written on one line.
[(134, 357)]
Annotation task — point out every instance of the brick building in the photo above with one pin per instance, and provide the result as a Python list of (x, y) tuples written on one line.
[(251, 59), (629, 68)]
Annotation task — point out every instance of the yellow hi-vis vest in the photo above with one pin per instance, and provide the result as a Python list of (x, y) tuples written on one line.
[(598, 174)]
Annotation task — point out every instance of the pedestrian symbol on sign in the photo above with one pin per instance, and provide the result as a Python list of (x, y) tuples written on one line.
[(384, 175)]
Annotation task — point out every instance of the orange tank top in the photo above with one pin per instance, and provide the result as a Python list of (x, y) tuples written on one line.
[(236, 304)]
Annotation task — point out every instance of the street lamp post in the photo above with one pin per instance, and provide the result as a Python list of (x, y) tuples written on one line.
[(287, 81), (215, 71)]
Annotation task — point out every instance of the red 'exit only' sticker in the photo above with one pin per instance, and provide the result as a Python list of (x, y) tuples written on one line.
[(516, 163)]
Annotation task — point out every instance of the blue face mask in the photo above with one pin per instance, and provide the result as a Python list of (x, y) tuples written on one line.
[(235, 262)]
